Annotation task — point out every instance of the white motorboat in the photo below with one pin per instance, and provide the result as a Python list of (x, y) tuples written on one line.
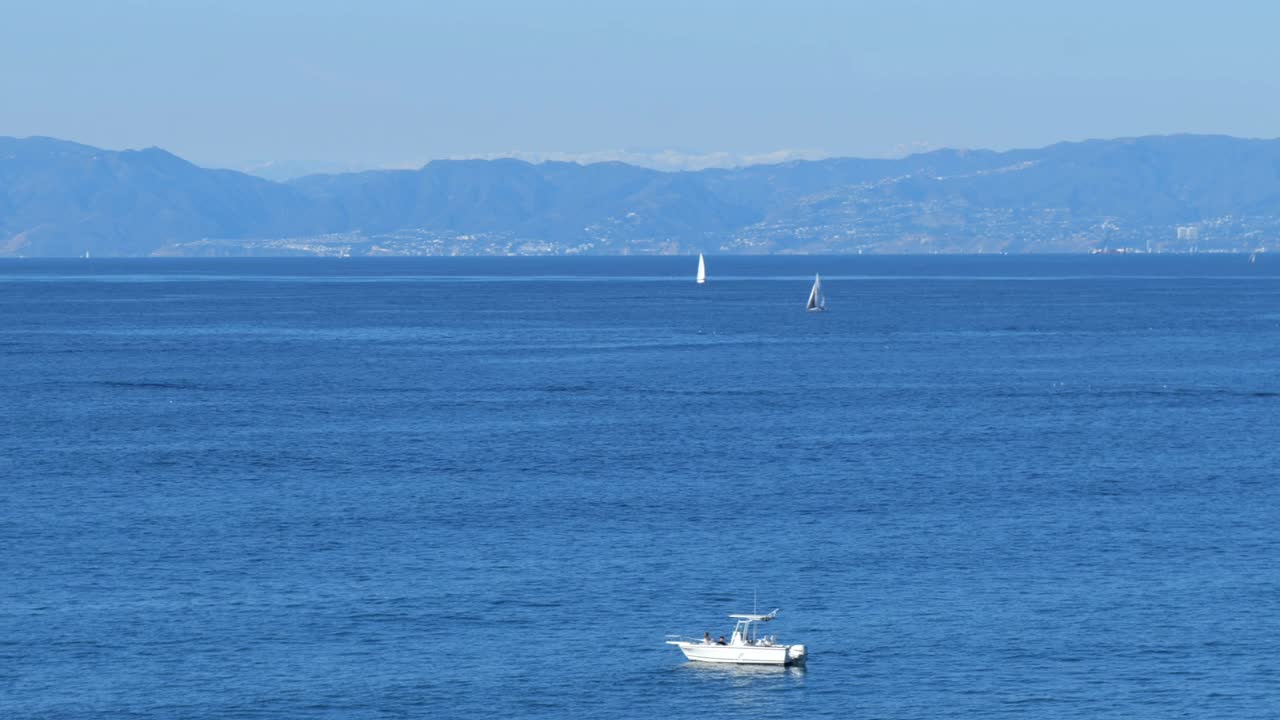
[(744, 647)]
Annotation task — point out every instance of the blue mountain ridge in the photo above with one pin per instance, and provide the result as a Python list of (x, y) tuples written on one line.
[(1170, 193)]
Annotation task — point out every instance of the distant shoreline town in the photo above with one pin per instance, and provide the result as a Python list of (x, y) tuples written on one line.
[(409, 244)]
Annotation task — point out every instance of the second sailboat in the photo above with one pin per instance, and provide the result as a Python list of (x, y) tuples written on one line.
[(817, 301)]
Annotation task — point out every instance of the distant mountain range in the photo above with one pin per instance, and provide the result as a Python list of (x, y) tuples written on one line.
[(1173, 193)]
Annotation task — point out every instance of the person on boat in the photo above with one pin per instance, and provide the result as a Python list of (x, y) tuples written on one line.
[(722, 641), (706, 638)]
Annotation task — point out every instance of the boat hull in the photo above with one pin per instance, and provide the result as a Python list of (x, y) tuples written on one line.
[(743, 654)]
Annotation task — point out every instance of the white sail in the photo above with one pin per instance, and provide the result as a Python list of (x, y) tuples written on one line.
[(702, 269), (817, 302)]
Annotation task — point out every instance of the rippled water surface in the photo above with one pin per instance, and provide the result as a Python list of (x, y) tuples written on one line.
[(978, 487)]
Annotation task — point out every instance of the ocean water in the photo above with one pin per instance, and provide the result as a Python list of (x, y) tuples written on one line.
[(978, 487)]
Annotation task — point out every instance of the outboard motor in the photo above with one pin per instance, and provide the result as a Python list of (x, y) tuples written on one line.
[(795, 655)]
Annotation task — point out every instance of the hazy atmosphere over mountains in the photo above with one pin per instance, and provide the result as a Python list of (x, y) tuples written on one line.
[(1164, 193)]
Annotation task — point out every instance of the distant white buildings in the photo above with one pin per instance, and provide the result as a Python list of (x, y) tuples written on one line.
[(1188, 232)]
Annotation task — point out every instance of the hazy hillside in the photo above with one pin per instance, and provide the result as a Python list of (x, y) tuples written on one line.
[(61, 198), (1170, 193)]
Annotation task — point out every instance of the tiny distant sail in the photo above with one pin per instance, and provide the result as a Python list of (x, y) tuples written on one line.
[(702, 269), (817, 301)]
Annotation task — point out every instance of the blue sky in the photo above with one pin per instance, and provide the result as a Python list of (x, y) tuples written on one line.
[(320, 84)]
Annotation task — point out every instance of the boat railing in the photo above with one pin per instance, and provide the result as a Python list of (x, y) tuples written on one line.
[(687, 639)]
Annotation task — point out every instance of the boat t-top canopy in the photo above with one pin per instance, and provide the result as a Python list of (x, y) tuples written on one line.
[(758, 618)]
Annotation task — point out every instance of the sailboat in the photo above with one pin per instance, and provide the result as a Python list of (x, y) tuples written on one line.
[(817, 301), (702, 269)]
